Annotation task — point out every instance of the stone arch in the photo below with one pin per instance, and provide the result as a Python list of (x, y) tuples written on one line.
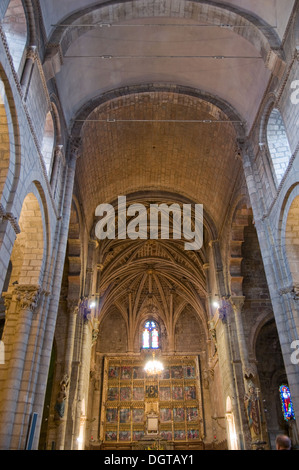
[(271, 371), (288, 237), (86, 110), (264, 39), (9, 143), (15, 28), (292, 241), (28, 253)]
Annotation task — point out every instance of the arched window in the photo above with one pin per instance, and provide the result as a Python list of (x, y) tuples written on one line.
[(278, 144), (286, 402), (150, 335), (48, 142)]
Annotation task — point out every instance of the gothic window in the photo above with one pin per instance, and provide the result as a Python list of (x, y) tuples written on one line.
[(286, 402), (48, 142), (150, 335), (278, 144)]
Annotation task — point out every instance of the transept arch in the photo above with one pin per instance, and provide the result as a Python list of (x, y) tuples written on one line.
[(264, 39)]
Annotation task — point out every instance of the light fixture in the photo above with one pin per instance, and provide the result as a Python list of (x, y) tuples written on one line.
[(216, 304), (153, 367)]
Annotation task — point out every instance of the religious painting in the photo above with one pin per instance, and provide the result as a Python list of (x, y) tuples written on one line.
[(151, 391), (192, 414), (165, 375), (179, 434), (177, 372), (190, 392), (137, 435), (124, 435), (189, 372), (125, 393), (113, 372), (164, 394), (138, 373), (193, 434), (138, 415), (178, 414), (111, 415), (166, 434), (138, 393), (124, 415), (177, 392), (111, 436), (126, 372), (112, 394), (165, 415)]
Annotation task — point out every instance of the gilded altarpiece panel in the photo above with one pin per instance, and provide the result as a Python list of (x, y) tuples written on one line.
[(129, 396)]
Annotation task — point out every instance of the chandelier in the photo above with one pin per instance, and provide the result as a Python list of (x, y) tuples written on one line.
[(153, 367)]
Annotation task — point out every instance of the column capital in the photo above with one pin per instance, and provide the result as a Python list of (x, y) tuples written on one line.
[(72, 306), (27, 296), (237, 302)]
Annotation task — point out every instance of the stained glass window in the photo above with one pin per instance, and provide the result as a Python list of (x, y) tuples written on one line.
[(150, 335), (286, 402)]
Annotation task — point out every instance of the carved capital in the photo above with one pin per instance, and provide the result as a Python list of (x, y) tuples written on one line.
[(75, 146), (27, 296), (237, 303), (72, 306), (32, 53)]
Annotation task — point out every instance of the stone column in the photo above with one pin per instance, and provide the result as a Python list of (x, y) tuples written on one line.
[(84, 373), (62, 402), (224, 340), (27, 71), (58, 260), (58, 160), (21, 304), (226, 360), (249, 371), (96, 400)]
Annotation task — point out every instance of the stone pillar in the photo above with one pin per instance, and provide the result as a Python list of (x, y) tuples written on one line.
[(226, 360), (249, 371), (21, 304), (58, 160), (27, 71), (84, 374), (96, 400), (58, 259), (61, 406)]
